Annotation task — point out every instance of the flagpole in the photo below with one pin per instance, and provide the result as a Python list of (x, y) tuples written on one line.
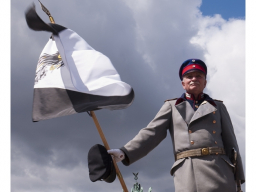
[(118, 173)]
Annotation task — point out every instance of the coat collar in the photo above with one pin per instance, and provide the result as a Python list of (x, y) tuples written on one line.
[(188, 113), (187, 96)]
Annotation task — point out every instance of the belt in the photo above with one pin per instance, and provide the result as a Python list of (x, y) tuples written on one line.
[(200, 152)]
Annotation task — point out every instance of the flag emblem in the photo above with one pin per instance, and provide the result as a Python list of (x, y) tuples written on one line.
[(47, 62)]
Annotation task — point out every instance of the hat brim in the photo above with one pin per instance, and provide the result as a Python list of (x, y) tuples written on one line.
[(193, 70), (112, 175)]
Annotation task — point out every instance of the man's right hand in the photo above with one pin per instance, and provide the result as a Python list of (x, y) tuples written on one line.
[(117, 154)]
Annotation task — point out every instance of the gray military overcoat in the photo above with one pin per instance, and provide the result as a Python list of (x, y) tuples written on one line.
[(209, 126)]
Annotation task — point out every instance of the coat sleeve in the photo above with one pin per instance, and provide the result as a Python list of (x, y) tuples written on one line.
[(229, 141), (149, 137)]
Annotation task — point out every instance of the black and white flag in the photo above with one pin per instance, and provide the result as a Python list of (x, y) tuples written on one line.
[(72, 77)]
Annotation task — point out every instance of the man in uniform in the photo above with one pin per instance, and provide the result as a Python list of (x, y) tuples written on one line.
[(202, 135)]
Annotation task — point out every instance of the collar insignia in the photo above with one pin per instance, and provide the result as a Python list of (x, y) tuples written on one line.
[(188, 95)]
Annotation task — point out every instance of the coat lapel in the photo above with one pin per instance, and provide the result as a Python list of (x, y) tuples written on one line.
[(204, 109), (185, 110)]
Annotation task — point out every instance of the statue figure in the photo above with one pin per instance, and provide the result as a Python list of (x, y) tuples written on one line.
[(136, 187)]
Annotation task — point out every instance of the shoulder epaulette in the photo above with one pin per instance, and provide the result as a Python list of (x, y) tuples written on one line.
[(171, 99), (218, 100)]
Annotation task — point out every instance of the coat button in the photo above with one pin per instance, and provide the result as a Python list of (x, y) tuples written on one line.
[(213, 132), (192, 142), (213, 112), (196, 101), (214, 121), (189, 131), (217, 153), (215, 142)]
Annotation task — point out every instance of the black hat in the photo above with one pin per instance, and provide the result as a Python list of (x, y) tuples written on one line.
[(100, 164), (191, 65)]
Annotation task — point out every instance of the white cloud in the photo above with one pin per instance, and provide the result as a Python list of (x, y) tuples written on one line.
[(223, 44)]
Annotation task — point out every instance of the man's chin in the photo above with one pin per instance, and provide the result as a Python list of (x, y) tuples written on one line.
[(194, 91)]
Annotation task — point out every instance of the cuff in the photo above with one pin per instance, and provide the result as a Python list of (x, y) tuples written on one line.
[(126, 160)]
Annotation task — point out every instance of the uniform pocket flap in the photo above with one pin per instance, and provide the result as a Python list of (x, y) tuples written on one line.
[(225, 158), (175, 164)]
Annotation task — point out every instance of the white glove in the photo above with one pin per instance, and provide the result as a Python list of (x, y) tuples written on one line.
[(117, 154)]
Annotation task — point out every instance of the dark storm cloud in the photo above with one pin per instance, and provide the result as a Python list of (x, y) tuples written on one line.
[(146, 44)]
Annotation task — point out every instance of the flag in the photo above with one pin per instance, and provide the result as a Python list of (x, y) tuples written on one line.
[(72, 77)]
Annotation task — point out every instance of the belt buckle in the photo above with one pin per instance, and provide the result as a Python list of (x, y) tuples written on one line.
[(205, 151)]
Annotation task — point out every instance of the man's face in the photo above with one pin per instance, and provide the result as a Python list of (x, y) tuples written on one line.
[(194, 82)]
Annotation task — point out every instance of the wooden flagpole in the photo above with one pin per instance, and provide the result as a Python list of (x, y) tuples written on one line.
[(118, 173)]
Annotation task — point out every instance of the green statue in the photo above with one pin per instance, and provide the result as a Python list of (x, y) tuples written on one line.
[(136, 186)]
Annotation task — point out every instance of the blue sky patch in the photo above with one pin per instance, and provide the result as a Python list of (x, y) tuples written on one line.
[(226, 8)]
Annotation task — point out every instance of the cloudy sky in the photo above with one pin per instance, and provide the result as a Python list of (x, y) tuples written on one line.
[(147, 41)]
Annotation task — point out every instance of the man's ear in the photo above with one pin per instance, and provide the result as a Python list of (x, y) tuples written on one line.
[(205, 83), (183, 84)]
